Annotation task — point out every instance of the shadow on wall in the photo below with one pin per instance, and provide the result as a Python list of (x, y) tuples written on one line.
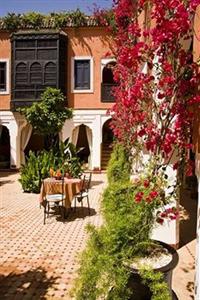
[(32, 284), (189, 201)]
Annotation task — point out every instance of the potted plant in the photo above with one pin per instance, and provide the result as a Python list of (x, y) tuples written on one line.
[(110, 266)]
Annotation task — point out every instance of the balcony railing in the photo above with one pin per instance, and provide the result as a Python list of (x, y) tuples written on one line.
[(107, 92)]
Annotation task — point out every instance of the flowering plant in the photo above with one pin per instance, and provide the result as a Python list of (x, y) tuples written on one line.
[(151, 191), (157, 84), (157, 90)]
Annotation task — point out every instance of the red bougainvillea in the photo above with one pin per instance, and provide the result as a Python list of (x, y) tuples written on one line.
[(157, 78), (157, 89)]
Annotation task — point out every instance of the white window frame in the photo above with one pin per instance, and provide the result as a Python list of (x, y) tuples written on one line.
[(78, 91), (7, 91)]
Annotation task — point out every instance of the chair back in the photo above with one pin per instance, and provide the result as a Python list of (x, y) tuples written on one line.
[(83, 183), (52, 187), (88, 182)]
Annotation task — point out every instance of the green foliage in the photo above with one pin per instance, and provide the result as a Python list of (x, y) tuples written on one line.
[(119, 165), (67, 160), (48, 116), (11, 21), (38, 165), (33, 20), (156, 283), (36, 168), (103, 271)]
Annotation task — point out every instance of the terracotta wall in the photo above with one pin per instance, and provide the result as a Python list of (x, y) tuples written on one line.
[(93, 42), (5, 52), (88, 41)]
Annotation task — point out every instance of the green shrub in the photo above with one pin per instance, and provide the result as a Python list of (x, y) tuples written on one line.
[(156, 283), (36, 168), (103, 271), (119, 165), (48, 116), (38, 165)]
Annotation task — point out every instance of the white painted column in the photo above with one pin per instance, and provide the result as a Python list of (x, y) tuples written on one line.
[(168, 232), (14, 145), (197, 273), (96, 143), (67, 129)]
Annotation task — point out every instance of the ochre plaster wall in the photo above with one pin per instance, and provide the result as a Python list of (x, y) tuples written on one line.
[(93, 42), (5, 53), (88, 41)]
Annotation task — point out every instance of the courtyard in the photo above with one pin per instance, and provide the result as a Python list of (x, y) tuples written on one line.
[(40, 261)]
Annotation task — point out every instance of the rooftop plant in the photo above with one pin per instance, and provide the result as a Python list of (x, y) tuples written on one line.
[(54, 20)]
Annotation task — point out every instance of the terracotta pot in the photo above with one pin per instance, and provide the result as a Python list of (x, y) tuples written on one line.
[(141, 291)]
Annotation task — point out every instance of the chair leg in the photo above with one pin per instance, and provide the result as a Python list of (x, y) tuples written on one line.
[(88, 204), (48, 208), (75, 204), (44, 214)]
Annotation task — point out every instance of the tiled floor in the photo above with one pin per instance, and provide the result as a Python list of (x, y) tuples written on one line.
[(39, 261)]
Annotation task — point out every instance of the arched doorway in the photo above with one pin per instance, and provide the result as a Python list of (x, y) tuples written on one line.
[(4, 148), (39, 142), (35, 144), (107, 140), (84, 144)]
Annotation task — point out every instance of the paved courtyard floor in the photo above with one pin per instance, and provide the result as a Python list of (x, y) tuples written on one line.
[(39, 261)]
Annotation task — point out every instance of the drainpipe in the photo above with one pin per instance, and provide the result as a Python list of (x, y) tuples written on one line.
[(197, 273)]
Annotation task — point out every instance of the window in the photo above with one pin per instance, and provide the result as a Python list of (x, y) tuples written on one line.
[(82, 73), (38, 61), (3, 76)]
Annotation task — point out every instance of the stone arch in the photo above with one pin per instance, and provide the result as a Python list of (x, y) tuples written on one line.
[(82, 137), (5, 160)]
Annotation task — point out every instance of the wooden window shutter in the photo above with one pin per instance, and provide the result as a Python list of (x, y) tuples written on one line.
[(82, 74)]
